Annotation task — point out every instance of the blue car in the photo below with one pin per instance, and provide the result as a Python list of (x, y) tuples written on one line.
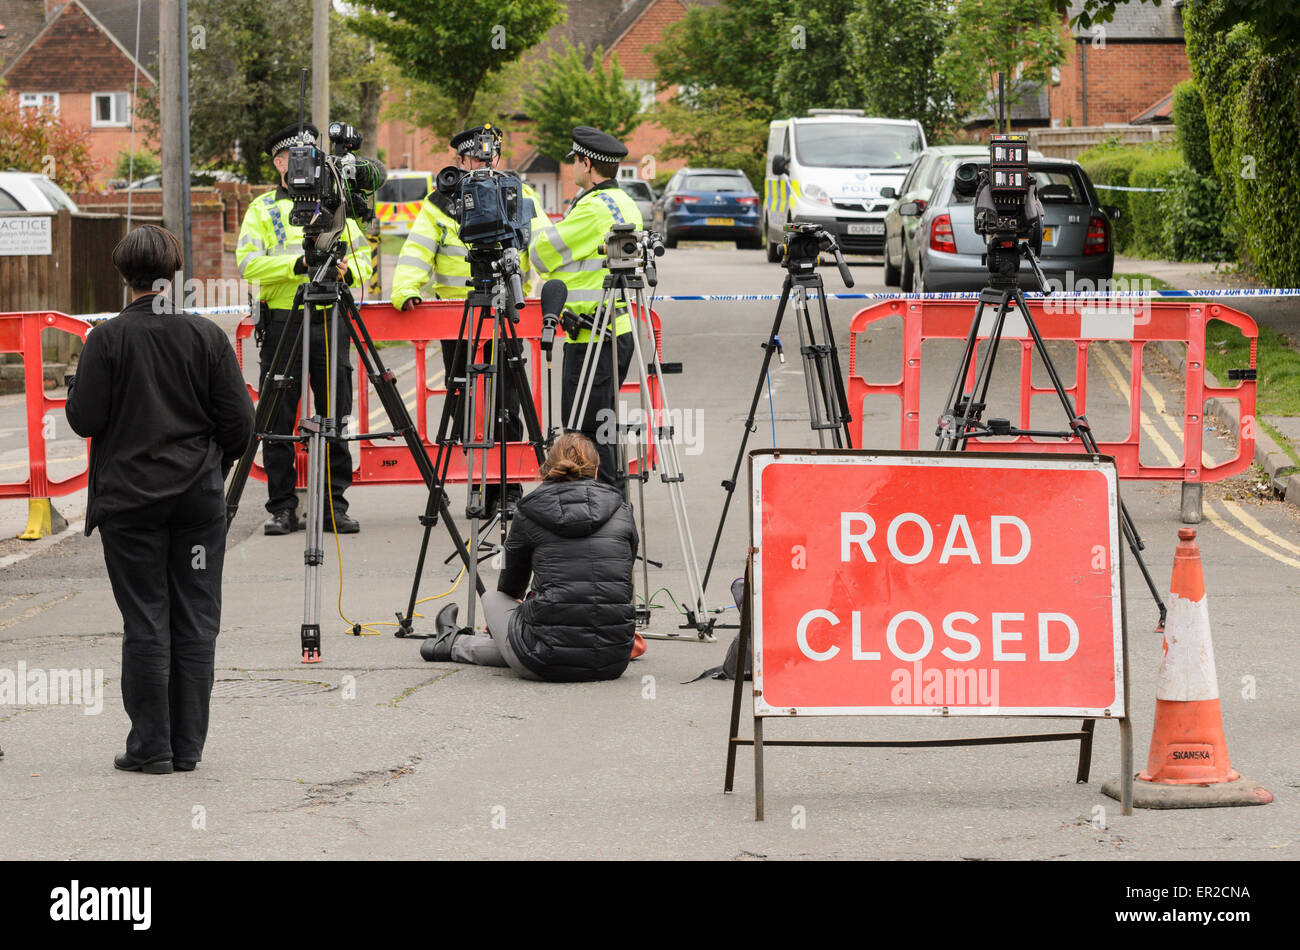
[(709, 204)]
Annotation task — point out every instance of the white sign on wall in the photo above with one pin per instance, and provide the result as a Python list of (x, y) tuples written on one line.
[(28, 234)]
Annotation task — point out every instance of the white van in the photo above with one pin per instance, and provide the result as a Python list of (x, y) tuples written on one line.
[(828, 168)]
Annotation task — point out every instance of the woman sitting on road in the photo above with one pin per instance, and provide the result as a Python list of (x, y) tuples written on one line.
[(578, 539)]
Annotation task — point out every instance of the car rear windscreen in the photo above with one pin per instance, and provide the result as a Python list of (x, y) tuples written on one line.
[(715, 183), (1055, 186), (856, 145), (397, 190)]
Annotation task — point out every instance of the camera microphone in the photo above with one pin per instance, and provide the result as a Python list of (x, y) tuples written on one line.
[(554, 294)]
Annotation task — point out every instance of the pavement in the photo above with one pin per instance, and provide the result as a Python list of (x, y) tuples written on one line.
[(375, 753)]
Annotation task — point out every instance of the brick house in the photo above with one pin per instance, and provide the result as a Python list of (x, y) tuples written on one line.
[(81, 61), (627, 28), (1120, 72)]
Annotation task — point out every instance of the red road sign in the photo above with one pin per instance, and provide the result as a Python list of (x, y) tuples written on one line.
[(936, 584)]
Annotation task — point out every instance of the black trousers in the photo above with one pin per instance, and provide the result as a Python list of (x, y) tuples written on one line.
[(164, 562), (277, 457), (597, 423)]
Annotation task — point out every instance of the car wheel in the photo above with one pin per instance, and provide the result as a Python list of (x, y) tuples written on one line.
[(908, 277), (891, 272), (670, 239), (773, 250)]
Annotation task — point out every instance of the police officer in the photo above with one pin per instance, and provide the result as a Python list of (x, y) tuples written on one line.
[(270, 256), (434, 261), (569, 249)]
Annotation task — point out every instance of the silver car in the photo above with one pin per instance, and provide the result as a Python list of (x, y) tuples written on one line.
[(642, 194), (947, 254)]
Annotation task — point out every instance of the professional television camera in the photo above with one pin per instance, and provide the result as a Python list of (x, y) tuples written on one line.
[(629, 253), (328, 189), (489, 204), (1007, 210)]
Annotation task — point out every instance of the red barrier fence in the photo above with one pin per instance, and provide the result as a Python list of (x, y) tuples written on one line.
[(390, 462), (21, 333), (1082, 325)]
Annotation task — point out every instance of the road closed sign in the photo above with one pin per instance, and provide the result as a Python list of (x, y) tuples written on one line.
[(936, 584)]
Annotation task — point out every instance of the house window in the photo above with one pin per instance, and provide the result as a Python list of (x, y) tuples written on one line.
[(39, 100), (627, 173), (110, 108), (645, 88)]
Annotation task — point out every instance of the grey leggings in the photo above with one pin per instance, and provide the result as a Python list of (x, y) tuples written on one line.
[(494, 649)]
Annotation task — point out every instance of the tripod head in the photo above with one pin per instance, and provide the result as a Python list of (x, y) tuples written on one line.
[(805, 244), (495, 273), (1005, 250)]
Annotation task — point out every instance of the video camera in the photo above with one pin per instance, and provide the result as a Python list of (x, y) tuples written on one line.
[(627, 249), (1007, 209), (804, 246), (488, 204), (327, 189)]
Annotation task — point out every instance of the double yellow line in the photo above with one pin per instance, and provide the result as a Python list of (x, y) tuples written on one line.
[(1237, 518)]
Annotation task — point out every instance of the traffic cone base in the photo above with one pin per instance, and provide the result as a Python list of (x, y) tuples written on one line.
[(1240, 791), (1188, 746)]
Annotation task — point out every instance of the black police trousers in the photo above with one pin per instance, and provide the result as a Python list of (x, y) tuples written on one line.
[(164, 563), (600, 423), (277, 457)]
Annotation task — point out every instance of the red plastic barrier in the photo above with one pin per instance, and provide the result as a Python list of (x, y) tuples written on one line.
[(1082, 323), (391, 462), (21, 333)]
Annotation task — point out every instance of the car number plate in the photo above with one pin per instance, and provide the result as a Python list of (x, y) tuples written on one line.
[(871, 227), (720, 222)]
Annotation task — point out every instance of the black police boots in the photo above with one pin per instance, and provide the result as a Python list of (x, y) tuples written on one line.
[(284, 521)]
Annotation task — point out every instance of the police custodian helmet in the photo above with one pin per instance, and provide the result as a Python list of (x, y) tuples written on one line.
[(596, 145)]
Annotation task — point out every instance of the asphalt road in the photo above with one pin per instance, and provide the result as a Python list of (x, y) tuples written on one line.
[(375, 753)]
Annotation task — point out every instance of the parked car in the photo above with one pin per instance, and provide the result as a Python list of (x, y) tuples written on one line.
[(830, 168), (709, 204), (949, 256), (926, 172), (642, 194), (27, 191)]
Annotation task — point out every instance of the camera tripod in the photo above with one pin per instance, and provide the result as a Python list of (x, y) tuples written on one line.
[(497, 296), (321, 291), (828, 404), (624, 278), (962, 416)]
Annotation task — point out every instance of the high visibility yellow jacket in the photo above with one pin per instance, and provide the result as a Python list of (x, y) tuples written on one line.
[(269, 246), (434, 261), (570, 249)]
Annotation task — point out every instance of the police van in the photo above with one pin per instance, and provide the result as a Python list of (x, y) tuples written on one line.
[(828, 168), (398, 200)]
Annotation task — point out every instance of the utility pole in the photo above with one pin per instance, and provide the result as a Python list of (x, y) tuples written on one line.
[(187, 237), (320, 69), (173, 102)]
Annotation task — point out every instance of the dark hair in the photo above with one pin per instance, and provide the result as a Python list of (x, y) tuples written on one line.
[(146, 255), (573, 456), (604, 169)]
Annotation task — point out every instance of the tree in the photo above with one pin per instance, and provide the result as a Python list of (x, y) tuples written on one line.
[(813, 61), (456, 47), (245, 58), (426, 106), (732, 45), (1012, 39), (718, 127), (38, 140), (566, 93), (895, 47)]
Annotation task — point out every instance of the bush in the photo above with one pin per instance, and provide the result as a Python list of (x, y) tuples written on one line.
[(1114, 164), (1193, 218), (1252, 108), (1146, 212), (1190, 129), (146, 164)]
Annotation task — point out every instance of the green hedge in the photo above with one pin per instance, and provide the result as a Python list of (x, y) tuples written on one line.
[(1181, 222), (1252, 108), (1190, 129)]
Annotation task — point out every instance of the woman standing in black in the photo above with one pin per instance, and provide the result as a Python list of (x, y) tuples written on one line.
[(161, 397), (575, 537)]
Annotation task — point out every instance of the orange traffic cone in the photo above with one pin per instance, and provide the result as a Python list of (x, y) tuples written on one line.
[(1188, 766)]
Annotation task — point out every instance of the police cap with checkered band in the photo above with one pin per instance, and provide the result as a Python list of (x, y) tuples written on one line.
[(289, 136), (596, 145)]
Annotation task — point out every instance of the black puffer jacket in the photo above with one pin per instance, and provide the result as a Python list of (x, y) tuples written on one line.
[(579, 541)]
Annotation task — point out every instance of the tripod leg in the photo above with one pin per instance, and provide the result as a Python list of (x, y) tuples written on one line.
[(270, 389), (832, 353), (769, 348)]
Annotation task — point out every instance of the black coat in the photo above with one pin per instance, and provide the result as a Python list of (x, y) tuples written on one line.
[(162, 400), (579, 542)]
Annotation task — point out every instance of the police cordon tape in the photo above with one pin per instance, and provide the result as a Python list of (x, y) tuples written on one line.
[(954, 295)]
